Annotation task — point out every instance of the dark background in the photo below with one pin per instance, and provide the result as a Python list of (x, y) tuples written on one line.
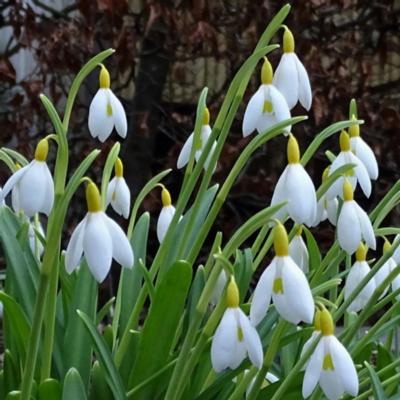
[(167, 51)]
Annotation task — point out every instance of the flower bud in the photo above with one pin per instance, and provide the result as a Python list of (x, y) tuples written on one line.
[(206, 116)]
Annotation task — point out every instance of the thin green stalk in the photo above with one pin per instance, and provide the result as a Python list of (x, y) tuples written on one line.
[(264, 250), (260, 239), (387, 382)]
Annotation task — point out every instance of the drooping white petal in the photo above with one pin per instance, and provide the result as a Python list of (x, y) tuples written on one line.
[(365, 155), (396, 253), (344, 366), (119, 116), (299, 253), (302, 199), (362, 174), (331, 384), (357, 273), (279, 106), (305, 94), (265, 122), (280, 195), (253, 112), (35, 243), (307, 345), (332, 207), (16, 205), (224, 342), (336, 188), (100, 122), (262, 294), (286, 79), (14, 179), (121, 248), (34, 188), (313, 369), (382, 274), (97, 246), (164, 220), (321, 213), (74, 250), (348, 228), (296, 303), (119, 195), (251, 339), (367, 231), (205, 134), (49, 190), (184, 155)]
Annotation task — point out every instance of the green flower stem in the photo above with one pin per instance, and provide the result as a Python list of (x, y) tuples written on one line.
[(214, 249), (268, 359), (264, 250), (260, 239), (8, 161)]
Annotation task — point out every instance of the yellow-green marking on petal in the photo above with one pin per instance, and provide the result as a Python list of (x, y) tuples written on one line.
[(278, 286), (240, 334), (268, 108), (328, 363)]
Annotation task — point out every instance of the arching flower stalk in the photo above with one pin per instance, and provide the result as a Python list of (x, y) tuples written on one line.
[(385, 270), (357, 273), (363, 151), (118, 193), (235, 337), (298, 251), (106, 111), (296, 187), (267, 106), (285, 283), (205, 133), (330, 365), (99, 239), (291, 78), (353, 224), (166, 214), (358, 174), (32, 186)]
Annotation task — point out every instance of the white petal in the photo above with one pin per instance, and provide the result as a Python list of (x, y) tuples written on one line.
[(381, 275), (97, 246), (344, 366), (111, 190), (16, 204), (262, 294), (286, 79), (320, 214), (253, 112), (366, 156), (305, 94), (313, 370), (14, 179), (74, 250), (362, 175), (34, 189), (265, 122), (280, 195), (348, 228), (218, 288), (119, 116), (357, 273), (121, 248), (307, 345), (336, 187), (121, 197), (251, 339), (164, 220), (279, 106), (100, 123), (296, 303), (49, 191), (396, 253), (332, 207), (302, 205), (299, 253), (367, 231), (184, 155), (331, 385), (224, 341)]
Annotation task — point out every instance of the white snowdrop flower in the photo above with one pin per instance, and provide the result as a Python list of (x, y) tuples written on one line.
[(32, 186), (385, 270), (166, 214), (296, 187), (118, 193), (353, 224), (285, 283), (358, 174), (363, 152), (269, 378), (291, 78), (106, 111), (314, 336), (330, 365), (299, 252), (205, 133), (235, 337), (326, 208), (34, 242), (267, 106), (99, 239), (396, 253), (357, 273)]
